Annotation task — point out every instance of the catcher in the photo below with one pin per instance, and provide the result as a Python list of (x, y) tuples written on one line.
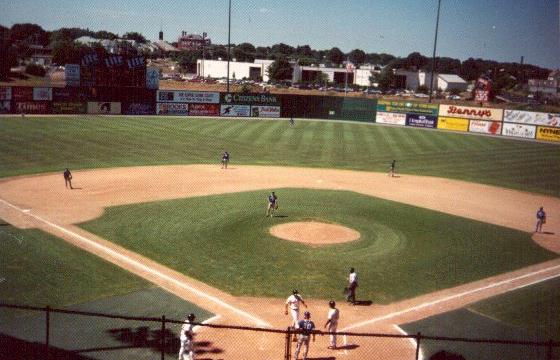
[(272, 204)]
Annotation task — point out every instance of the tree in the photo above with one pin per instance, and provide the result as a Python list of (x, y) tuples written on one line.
[(29, 34), (136, 36), (216, 52), (415, 61), (68, 34), (187, 59), (280, 69), (244, 52), (105, 35), (386, 79), (336, 56), (357, 56), (385, 59), (282, 50), (304, 51), (262, 52), (8, 54), (67, 52)]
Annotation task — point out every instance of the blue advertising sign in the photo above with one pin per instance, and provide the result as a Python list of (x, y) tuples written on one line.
[(425, 121)]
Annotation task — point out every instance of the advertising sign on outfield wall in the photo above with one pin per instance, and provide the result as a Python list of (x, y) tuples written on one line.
[(252, 99), (235, 110), (5, 93), (470, 112), (265, 111), (21, 93), (5, 107), (456, 124), (548, 134), (31, 107), (172, 109), (69, 107), (391, 118), (407, 107), (152, 78), (519, 130), (532, 118), (42, 94), (180, 96), (204, 109), (486, 127), (69, 94), (100, 107), (139, 109), (425, 121)]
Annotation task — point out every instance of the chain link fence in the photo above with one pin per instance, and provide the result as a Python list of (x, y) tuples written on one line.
[(44, 333)]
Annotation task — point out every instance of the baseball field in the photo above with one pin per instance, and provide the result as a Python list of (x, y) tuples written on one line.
[(452, 229)]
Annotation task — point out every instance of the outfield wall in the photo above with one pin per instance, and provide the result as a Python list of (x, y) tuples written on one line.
[(139, 101)]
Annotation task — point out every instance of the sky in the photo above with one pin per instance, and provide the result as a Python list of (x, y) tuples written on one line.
[(502, 30)]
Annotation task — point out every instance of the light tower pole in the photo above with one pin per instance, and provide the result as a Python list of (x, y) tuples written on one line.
[(434, 54)]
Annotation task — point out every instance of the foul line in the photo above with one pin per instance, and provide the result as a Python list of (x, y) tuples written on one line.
[(144, 267), (412, 341), (465, 293)]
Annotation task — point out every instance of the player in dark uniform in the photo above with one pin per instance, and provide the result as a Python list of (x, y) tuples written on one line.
[(225, 159), (305, 329), (68, 178), (392, 168), (292, 121), (272, 204), (541, 219)]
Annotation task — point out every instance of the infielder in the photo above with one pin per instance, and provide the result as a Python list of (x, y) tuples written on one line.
[(187, 339), (225, 160), (541, 219), (293, 302), (332, 323), (272, 204), (305, 329), (392, 168), (352, 285), (68, 178)]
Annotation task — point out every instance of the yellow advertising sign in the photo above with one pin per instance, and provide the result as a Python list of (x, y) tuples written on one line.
[(548, 134), (456, 124)]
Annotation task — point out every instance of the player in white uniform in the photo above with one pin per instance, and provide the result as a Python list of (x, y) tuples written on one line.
[(293, 302), (187, 339), (332, 323)]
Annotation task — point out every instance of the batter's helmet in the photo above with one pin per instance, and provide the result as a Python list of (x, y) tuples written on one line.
[(295, 291), (191, 317), (332, 303), (306, 314)]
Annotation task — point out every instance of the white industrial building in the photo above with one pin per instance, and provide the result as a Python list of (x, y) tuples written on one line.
[(413, 79), (238, 70)]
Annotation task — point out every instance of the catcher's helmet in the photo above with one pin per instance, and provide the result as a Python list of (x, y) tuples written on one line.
[(306, 314), (191, 317), (332, 303)]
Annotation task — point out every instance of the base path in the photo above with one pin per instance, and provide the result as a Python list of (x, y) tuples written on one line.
[(43, 202)]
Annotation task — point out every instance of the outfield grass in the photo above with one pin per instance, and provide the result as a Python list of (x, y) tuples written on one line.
[(404, 251), (36, 145)]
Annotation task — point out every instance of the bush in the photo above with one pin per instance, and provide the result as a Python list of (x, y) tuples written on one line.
[(36, 70), (444, 355)]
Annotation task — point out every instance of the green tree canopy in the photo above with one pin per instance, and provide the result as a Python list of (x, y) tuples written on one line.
[(280, 69)]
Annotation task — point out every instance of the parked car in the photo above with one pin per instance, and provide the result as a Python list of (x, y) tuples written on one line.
[(453, 97), (421, 95)]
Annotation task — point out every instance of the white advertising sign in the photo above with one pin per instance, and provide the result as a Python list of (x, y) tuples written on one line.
[(485, 127), (42, 94), (533, 118), (235, 110), (519, 130), (390, 118), (199, 97), (5, 107), (470, 112), (265, 111), (72, 74)]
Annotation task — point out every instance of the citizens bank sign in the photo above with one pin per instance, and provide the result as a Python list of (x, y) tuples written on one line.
[(257, 99)]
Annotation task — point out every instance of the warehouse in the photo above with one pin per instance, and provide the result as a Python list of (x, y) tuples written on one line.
[(257, 71)]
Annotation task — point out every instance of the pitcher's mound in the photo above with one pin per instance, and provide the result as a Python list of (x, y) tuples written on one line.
[(314, 232)]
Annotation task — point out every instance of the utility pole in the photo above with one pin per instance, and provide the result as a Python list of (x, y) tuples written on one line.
[(228, 44), (434, 54)]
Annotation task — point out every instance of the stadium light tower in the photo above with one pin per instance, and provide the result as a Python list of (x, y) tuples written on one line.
[(434, 54), (228, 44)]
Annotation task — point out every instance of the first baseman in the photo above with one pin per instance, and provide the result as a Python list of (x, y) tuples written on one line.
[(293, 302), (332, 323), (187, 339)]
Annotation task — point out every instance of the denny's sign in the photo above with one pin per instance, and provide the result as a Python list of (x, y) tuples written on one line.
[(470, 112)]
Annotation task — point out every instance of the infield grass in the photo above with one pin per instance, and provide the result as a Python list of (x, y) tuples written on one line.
[(35, 144), (404, 251)]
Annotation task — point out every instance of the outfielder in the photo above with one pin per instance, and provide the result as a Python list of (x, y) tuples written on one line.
[(187, 339), (293, 302), (68, 178), (332, 323), (305, 329), (272, 204), (541, 219)]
